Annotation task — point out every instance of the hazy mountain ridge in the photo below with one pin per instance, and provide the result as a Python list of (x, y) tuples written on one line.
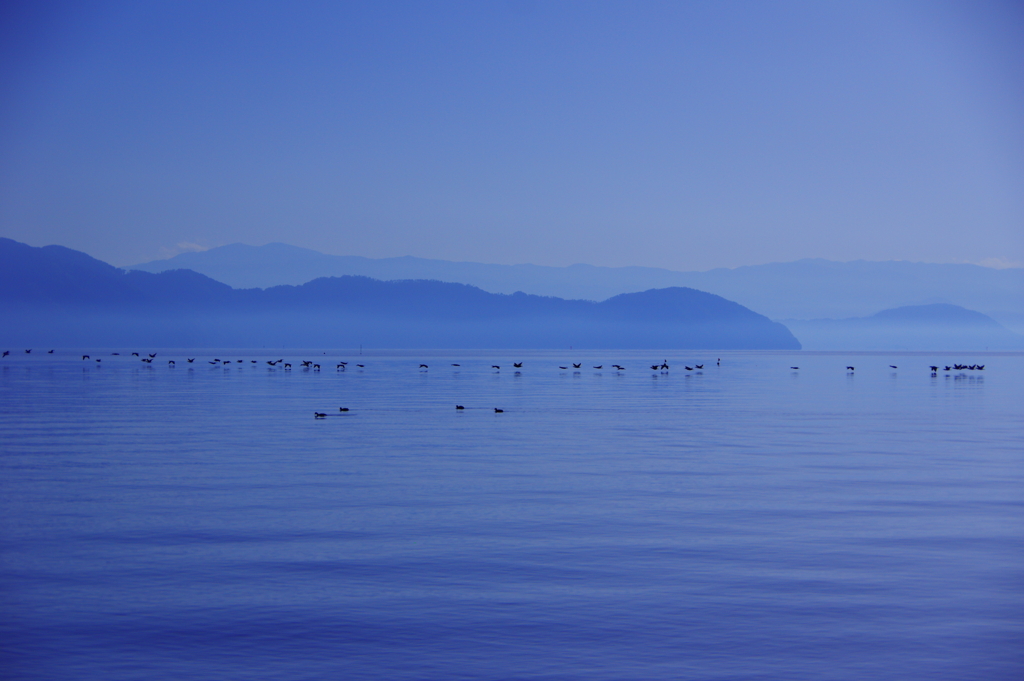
[(919, 327), (67, 298), (804, 289)]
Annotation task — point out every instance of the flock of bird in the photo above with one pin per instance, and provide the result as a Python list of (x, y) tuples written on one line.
[(310, 365), (576, 366)]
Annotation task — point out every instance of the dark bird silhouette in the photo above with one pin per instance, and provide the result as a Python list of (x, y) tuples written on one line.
[(85, 357), (849, 368), (599, 366), (50, 352), (361, 365), (517, 365), (318, 415), (563, 367), (934, 369), (946, 369), (794, 368), (191, 359), (340, 366), (664, 365), (98, 359), (271, 363), (654, 367), (342, 408), (495, 366), (424, 366), (456, 365), (892, 366), (719, 361), (170, 362), (213, 362), (316, 367), (29, 351), (577, 366), (254, 361), (499, 411), (688, 368), (239, 361), (459, 406), (115, 353), (287, 366), (699, 366), (981, 367), (215, 359), (619, 367), (135, 354), (6, 352), (152, 355)]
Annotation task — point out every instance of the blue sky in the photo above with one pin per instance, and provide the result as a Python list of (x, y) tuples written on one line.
[(679, 135)]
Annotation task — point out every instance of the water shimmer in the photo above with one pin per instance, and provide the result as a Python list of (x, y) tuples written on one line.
[(747, 521)]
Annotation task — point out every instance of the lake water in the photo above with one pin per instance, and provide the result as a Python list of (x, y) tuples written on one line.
[(746, 521)]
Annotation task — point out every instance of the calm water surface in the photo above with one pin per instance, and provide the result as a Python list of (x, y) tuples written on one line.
[(747, 521)]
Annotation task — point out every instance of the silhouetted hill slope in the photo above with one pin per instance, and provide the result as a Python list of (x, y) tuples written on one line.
[(805, 289), (60, 297), (918, 327)]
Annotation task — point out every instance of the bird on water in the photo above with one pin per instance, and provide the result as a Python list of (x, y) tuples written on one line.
[(424, 366), (342, 408), (85, 357), (499, 411), (459, 406), (517, 365), (892, 366), (318, 415), (577, 366), (191, 359)]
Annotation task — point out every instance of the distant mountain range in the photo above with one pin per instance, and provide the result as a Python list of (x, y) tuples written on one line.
[(58, 296), (918, 327), (805, 289)]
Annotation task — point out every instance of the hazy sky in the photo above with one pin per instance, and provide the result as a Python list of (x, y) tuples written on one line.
[(679, 135)]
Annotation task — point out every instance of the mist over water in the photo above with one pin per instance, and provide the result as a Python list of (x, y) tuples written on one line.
[(746, 521)]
